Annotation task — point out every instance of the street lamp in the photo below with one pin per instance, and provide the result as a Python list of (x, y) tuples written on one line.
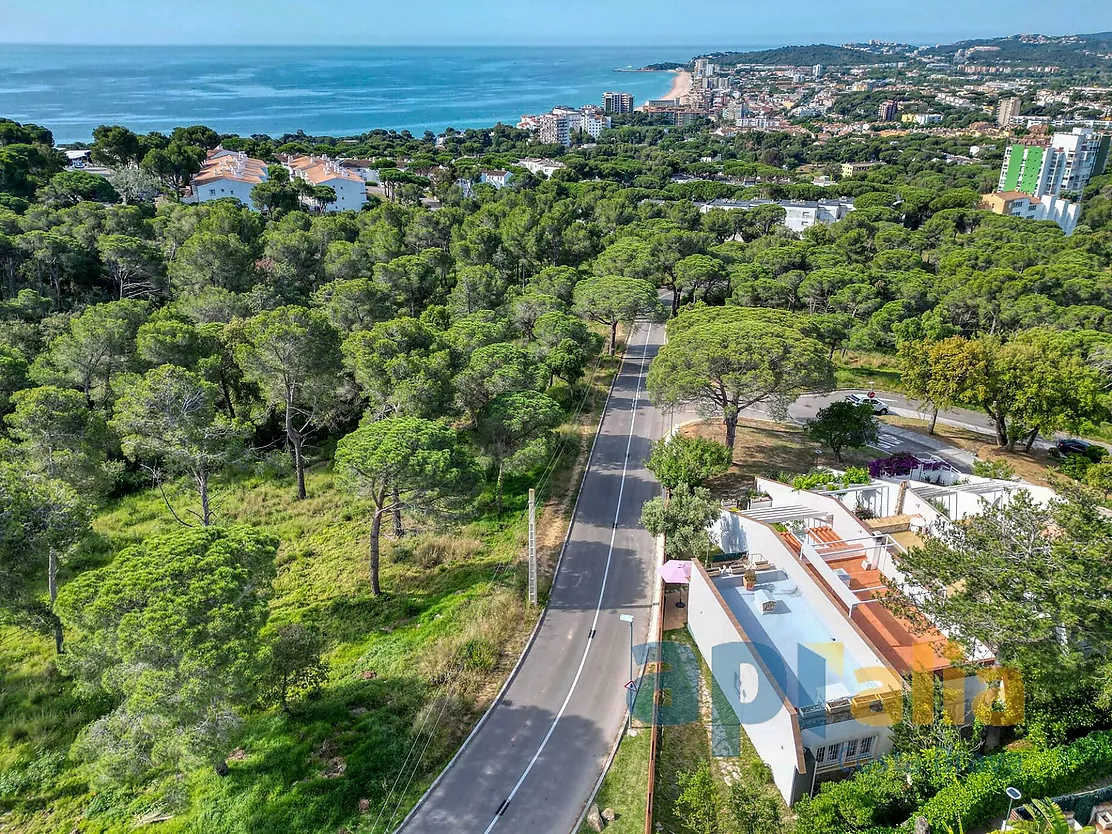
[(1013, 796), (628, 618)]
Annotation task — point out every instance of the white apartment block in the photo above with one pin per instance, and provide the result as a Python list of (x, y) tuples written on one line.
[(800, 215), (558, 126), (544, 167), (350, 187), (365, 168), (226, 174)]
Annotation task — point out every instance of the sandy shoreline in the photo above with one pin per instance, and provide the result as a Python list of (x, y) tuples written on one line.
[(682, 84)]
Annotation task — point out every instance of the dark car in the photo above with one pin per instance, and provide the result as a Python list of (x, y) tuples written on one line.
[(1076, 446)]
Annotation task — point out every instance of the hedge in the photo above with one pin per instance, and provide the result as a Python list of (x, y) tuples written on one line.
[(979, 796), (883, 794)]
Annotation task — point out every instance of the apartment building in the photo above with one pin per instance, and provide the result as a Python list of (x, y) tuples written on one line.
[(1048, 207), (544, 167), (1050, 172), (617, 102), (558, 126), (800, 215), (350, 187), (225, 174), (1007, 111)]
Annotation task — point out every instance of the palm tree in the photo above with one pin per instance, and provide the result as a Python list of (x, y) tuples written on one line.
[(1047, 818)]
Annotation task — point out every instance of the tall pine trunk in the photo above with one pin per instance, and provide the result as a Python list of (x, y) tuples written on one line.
[(399, 531), (1031, 438), (296, 441), (52, 588), (376, 530), (203, 491), (613, 337), (934, 420), (498, 489), (731, 431)]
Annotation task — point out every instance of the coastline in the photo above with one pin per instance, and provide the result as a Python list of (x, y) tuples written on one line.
[(682, 85)]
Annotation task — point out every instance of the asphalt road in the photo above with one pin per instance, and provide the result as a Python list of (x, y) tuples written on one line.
[(534, 760)]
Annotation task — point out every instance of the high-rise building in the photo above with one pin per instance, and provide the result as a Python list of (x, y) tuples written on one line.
[(617, 102), (1045, 181), (1007, 112), (817, 71), (887, 111), (1063, 166), (562, 123)]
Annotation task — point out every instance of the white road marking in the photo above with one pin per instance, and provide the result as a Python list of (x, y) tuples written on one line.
[(598, 607), (887, 442)]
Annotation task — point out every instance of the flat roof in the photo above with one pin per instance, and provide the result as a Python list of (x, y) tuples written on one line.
[(790, 634), (904, 644)]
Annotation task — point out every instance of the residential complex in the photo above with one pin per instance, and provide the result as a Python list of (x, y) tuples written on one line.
[(791, 619), (558, 126), (799, 215), (233, 174), (226, 174), (350, 187), (1051, 174), (1063, 165), (617, 102), (1007, 111)]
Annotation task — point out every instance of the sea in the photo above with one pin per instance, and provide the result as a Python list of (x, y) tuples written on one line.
[(334, 91)]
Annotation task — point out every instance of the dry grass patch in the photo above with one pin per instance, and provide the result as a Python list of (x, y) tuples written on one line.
[(764, 448)]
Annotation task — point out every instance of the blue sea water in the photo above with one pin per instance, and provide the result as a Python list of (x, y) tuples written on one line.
[(321, 90)]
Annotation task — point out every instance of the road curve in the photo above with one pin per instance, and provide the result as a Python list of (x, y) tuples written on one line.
[(535, 758)]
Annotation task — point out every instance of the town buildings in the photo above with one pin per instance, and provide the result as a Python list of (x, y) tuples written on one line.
[(617, 102), (1049, 207), (1007, 111), (887, 111), (224, 174)]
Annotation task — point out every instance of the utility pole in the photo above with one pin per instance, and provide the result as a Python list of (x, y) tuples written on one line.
[(532, 547)]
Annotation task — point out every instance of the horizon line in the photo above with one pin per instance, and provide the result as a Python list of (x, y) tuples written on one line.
[(579, 44)]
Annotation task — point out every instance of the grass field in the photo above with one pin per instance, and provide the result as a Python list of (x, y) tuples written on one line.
[(408, 672)]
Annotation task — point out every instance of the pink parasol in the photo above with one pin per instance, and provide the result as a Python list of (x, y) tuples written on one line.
[(676, 572)]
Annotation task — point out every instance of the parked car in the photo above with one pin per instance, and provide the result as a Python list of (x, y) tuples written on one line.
[(879, 406), (1076, 446)]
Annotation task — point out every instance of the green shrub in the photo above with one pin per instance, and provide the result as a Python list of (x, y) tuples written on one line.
[(1037, 773), (999, 469)]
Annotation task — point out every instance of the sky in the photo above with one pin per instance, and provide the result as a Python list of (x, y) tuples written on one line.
[(710, 24)]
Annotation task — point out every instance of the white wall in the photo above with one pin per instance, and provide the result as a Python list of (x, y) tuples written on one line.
[(769, 724), (220, 189), (844, 523), (350, 195)]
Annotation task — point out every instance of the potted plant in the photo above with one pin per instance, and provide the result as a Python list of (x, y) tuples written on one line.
[(750, 579), (757, 498)]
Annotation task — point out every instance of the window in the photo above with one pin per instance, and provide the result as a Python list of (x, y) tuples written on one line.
[(865, 748), (212, 192), (828, 756), (851, 749)]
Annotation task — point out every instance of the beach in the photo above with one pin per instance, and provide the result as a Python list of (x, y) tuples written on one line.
[(682, 84)]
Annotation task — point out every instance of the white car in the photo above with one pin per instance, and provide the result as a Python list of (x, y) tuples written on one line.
[(879, 406)]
